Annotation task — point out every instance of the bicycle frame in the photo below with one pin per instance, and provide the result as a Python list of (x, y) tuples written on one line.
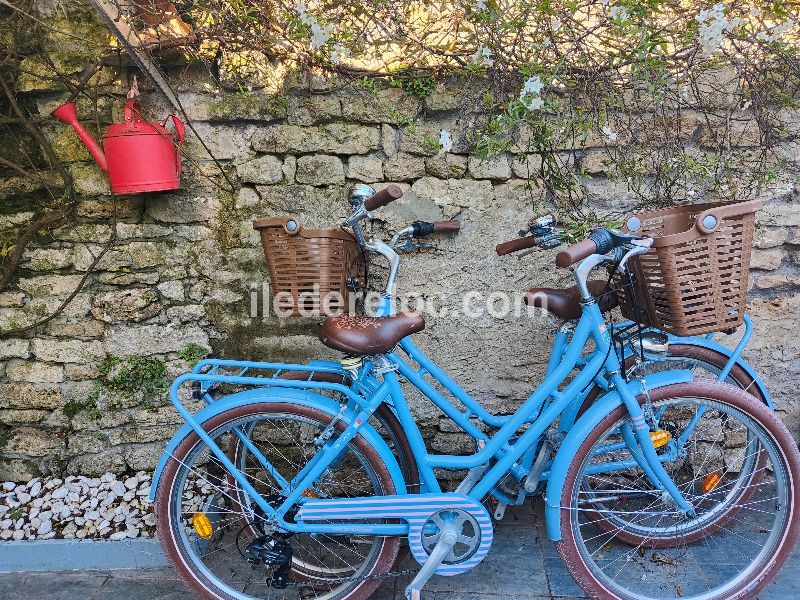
[(539, 412)]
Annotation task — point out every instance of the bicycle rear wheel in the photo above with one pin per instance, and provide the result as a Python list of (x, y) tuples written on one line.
[(330, 567), (718, 559)]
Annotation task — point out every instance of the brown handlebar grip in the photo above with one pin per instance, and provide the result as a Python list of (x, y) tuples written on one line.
[(522, 243), (574, 253), (389, 194), (443, 226)]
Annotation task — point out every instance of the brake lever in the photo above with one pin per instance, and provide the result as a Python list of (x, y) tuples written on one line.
[(408, 244), (639, 246)]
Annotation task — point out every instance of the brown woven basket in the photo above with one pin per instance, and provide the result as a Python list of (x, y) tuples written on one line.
[(694, 279), (310, 268)]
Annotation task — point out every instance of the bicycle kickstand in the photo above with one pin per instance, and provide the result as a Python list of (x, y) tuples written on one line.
[(443, 547)]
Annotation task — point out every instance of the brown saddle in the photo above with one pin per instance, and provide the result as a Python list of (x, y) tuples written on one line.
[(360, 335), (566, 303)]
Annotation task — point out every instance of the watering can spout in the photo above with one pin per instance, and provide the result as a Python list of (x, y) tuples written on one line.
[(68, 113)]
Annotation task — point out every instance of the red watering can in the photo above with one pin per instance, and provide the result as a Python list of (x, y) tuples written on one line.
[(139, 156)]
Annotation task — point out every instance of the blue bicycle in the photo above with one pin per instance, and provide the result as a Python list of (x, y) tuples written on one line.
[(283, 486)]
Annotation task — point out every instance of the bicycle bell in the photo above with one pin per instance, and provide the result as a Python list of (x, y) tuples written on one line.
[(359, 193)]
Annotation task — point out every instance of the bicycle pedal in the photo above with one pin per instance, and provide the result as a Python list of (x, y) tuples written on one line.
[(500, 511)]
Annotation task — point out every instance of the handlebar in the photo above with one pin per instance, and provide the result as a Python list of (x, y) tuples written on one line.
[(423, 228), (600, 241), (576, 252), (385, 196), (522, 243)]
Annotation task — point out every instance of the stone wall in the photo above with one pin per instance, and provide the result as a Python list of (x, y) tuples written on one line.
[(182, 265)]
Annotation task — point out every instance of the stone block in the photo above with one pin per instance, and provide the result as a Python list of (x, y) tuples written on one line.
[(365, 168), (253, 106), (87, 372), (84, 256), (13, 416), (55, 285), (595, 162), (526, 166), (767, 282), (13, 348), (334, 138), (742, 134), (172, 290), (30, 396), (490, 168), (12, 299), (289, 168), (133, 435), (68, 146), (172, 208), (319, 169), (123, 207), (424, 138), (145, 255), (770, 238), (263, 170), (404, 167), (767, 260), (460, 193), (247, 197), (47, 259), (133, 304), (226, 142), (387, 106), (67, 351), (129, 340), (142, 231), (90, 180), (445, 96), (123, 278), (84, 233), (97, 463), (446, 166), (74, 328), (34, 372), (780, 215), (144, 457), (310, 110)]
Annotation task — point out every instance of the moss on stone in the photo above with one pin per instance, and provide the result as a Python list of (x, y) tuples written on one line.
[(245, 105)]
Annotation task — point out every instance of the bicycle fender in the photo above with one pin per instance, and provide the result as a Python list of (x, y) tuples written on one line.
[(724, 350), (580, 430), (302, 397)]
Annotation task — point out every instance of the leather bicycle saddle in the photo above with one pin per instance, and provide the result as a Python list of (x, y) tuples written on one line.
[(566, 303), (361, 335)]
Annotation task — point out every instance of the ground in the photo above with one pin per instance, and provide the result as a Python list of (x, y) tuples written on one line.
[(523, 565)]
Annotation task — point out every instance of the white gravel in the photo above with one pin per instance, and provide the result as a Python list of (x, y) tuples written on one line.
[(77, 508)]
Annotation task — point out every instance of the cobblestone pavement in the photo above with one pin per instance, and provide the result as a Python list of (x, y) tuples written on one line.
[(523, 565)]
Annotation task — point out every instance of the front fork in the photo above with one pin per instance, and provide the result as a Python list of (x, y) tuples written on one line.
[(653, 467)]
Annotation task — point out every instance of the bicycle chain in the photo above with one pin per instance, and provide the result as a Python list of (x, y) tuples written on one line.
[(327, 582)]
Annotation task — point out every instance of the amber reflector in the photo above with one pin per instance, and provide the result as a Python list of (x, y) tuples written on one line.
[(660, 437), (711, 481), (202, 525)]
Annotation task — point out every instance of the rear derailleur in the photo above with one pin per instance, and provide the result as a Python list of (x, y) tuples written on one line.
[(272, 551)]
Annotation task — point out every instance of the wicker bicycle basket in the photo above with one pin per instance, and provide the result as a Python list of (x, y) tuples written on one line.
[(694, 279), (312, 270)]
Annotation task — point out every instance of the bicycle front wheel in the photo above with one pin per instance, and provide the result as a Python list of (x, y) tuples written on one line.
[(216, 561), (717, 559)]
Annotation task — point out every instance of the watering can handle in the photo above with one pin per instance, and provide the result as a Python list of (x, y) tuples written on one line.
[(133, 112), (180, 131)]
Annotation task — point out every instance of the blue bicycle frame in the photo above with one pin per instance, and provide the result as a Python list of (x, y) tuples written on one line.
[(497, 455)]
